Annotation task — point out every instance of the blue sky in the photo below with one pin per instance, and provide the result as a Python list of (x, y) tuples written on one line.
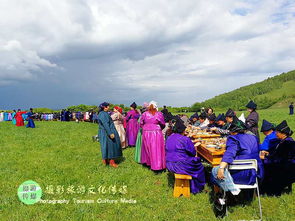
[(67, 52)]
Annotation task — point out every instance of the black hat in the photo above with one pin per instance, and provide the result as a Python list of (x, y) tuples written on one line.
[(212, 117), (251, 105), (203, 115), (178, 126), (237, 126), (102, 105), (134, 105), (195, 115), (230, 113), (284, 128), (266, 126), (220, 117)]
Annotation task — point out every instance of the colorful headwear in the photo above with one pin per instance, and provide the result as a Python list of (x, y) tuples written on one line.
[(154, 103), (119, 109), (134, 105), (230, 113), (237, 126), (266, 126), (103, 105), (284, 128), (251, 105)]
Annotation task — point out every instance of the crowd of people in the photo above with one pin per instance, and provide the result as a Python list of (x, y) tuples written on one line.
[(161, 143)]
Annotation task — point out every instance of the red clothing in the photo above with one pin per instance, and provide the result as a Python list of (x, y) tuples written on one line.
[(19, 118)]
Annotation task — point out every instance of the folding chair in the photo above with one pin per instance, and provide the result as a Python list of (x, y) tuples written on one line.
[(245, 165)]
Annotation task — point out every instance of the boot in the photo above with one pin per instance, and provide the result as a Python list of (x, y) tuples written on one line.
[(104, 162), (113, 164)]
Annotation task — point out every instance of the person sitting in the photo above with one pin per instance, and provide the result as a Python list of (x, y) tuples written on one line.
[(221, 121), (239, 146), (267, 129), (194, 120), (279, 162), (203, 121), (212, 119), (181, 157)]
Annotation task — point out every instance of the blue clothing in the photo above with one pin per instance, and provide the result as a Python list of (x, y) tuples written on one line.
[(181, 158), (31, 123), (269, 141), (241, 147), (13, 119), (5, 116), (110, 148)]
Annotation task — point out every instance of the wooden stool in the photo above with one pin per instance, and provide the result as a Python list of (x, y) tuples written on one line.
[(182, 185)]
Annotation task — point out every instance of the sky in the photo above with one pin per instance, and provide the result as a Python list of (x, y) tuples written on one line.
[(59, 53)]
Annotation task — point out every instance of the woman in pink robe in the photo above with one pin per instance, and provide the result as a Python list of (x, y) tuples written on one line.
[(132, 124), (153, 144)]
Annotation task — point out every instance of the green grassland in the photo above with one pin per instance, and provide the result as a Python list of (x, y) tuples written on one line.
[(63, 153)]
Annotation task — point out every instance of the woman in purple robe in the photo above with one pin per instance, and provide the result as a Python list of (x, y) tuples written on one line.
[(132, 124), (181, 158), (153, 144), (239, 146)]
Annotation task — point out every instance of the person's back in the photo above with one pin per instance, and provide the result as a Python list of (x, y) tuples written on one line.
[(151, 122)]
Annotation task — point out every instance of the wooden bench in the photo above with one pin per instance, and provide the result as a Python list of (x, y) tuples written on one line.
[(182, 185)]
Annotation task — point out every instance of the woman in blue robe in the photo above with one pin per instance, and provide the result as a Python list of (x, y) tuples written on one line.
[(270, 139), (31, 123), (279, 162), (181, 158), (239, 146), (109, 139), (5, 116), (13, 117)]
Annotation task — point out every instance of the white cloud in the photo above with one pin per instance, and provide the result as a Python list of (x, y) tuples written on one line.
[(167, 47)]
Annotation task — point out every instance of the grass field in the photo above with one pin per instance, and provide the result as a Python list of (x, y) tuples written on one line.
[(62, 154)]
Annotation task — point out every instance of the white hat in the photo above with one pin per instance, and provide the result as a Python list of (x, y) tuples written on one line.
[(154, 103)]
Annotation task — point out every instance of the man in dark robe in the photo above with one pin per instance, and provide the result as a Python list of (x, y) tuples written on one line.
[(252, 119), (291, 108), (279, 162)]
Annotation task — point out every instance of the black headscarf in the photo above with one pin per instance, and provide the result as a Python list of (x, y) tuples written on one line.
[(178, 126), (284, 128)]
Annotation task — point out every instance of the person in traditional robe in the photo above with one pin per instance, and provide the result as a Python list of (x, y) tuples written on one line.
[(19, 118), (118, 121), (153, 144), (13, 117), (203, 121), (221, 125), (31, 123), (270, 139), (185, 119), (138, 146), (291, 109), (181, 158), (212, 122), (279, 162), (194, 120), (252, 119), (239, 146), (132, 124), (165, 111), (109, 139)]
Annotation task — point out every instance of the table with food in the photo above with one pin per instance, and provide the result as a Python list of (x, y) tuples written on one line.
[(210, 146)]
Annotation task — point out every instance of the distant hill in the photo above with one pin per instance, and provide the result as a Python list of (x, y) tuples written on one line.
[(274, 92)]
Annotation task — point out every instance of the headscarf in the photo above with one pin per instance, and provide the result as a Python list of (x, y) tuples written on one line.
[(134, 105), (251, 105), (237, 126), (154, 103), (103, 105), (178, 126), (119, 109)]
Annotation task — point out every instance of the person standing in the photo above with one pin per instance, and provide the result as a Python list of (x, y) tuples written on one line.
[(291, 108), (118, 121), (153, 144), (13, 117), (19, 118), (132, 124), (31, 123), (109, 139), (252, 119)]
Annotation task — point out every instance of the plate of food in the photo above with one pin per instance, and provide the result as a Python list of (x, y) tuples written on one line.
[(211, 145)]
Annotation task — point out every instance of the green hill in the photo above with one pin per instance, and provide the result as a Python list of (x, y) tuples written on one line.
[(274, 92)]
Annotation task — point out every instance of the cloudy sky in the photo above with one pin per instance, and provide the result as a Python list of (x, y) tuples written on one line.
[(58, 53)]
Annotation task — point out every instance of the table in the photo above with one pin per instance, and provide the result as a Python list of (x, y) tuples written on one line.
[(210, 154)]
